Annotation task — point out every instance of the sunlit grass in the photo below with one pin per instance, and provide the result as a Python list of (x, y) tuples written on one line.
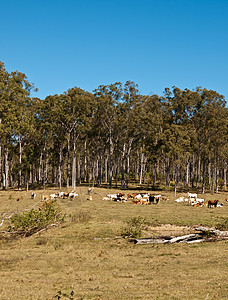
[(83, 254)]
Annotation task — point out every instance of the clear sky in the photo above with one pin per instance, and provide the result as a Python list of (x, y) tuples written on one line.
[(60, 44)]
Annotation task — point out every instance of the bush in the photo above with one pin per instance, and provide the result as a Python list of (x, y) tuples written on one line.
[(222, 225), (30, 222), (134, 227)]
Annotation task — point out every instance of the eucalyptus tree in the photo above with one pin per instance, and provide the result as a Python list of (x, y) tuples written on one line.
[(15, 100), (127, 116), (107, 98), (210, 123), (150, 117), (77, 119), (177, 137)]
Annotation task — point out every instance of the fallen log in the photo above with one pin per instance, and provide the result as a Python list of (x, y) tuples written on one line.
[(204, 234), (211, 231)]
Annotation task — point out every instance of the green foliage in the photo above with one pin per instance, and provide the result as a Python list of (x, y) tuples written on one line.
[(134, 227), (34, 220)]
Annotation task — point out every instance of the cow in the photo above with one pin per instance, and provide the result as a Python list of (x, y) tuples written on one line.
[(45, 197), (154, 199), (54, 196), (190, 195), (120, 195), (212, 203), (132, 195), (136, 201), (165, 199), (151, 199), (33, 195), (72, 195), (144, 201)]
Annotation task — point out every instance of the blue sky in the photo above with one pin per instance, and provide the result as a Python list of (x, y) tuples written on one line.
[(60, 44)]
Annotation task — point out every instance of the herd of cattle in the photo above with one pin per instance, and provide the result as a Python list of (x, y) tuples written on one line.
[(147, 198), (62, 195), (136, 198), (193, 200)]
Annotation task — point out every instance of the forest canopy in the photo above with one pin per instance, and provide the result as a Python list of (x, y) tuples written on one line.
[(112, 136)]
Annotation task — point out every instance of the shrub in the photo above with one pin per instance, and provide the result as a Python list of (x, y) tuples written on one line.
[(34, 220), (134, 227), (222, 225)]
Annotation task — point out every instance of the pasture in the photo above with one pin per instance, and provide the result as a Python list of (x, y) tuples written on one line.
[(85, 258)]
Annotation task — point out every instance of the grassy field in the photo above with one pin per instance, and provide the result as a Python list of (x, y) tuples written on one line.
[(84, 258)]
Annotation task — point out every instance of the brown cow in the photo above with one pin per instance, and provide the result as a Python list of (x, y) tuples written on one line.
[(212, 203), (132, 195), (120, 195)]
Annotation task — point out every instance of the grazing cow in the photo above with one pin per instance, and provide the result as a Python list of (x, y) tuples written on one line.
[(106, 198), (45, 197), (65, 195), (132, 195), (181, 199), (53, 196), (119, 195), (151, 199), (139, 197), (136, 201), (212, 203), (157, 198), (144, 201), (18, 199), (72, 195), (226, 200), (112, 196), (190, 195), (165, 199), (33, 195)]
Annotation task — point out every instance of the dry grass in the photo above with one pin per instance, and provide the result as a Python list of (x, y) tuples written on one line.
[(83, 255)]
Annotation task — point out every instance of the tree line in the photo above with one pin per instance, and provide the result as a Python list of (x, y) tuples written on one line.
[(112, 136)]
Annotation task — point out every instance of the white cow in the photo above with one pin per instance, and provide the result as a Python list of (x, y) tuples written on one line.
[(190, 195)]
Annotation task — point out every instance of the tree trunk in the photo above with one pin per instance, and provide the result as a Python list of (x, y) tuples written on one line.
[(193, 170), (167, 172), (198, 172), (60, 166), (110, 160), (141, 165), (79, 177), (74, 166), (85, 162), (5, 183), (19, 172), (225, 175), (68, 162), (123, 166), (128, 161), (106, 169), (187, 171), (217, 178), (204, 171), (40, 169), (209, 175), (0, 163)]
